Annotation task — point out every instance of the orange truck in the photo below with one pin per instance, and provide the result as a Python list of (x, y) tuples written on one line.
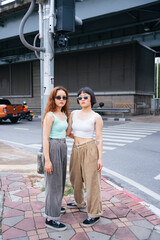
[(13, 112)]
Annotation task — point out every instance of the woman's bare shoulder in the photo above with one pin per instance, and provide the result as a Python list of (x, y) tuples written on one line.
[(74, 111), (98, 117), (49, 116)]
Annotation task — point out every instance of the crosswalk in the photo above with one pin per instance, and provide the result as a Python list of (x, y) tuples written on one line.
[(120, 135), (114, 136)]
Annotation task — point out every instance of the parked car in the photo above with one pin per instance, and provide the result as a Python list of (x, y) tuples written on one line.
[(10, 111)]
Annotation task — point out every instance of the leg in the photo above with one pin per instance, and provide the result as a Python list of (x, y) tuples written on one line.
[(92, 180), (54, 185), (76, 177), (64, 165)]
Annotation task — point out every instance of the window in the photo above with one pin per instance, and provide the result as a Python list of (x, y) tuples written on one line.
[(16, 80)]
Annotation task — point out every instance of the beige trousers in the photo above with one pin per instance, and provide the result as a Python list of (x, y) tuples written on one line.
[(83, 169)]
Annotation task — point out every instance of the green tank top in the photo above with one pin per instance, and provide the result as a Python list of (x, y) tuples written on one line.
[(58, 129)]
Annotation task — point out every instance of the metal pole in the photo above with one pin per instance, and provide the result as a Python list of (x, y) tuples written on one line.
[(48, 63), (46, 17), (157, 77)]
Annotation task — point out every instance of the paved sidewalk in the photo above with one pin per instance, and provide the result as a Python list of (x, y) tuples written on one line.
[(124, 217)]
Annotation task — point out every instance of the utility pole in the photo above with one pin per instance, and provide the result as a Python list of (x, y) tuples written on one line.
[(47, 59)]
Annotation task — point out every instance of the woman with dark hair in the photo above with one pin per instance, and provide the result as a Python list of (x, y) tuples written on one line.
[(86, 158), (55, 155)]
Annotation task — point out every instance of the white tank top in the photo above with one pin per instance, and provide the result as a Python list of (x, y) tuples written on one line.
[(83, 128)]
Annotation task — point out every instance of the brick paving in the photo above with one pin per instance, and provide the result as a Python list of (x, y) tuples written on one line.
[(124, 217)]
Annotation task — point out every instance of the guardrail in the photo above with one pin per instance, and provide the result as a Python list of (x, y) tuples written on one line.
[(103, 110)]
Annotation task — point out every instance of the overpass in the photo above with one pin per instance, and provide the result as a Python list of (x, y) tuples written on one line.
[(106, 25)]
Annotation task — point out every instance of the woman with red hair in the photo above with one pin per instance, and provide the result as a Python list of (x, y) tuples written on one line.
[(55, 155)]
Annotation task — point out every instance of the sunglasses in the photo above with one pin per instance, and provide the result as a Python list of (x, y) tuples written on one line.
[(61, 97), (84, 98)]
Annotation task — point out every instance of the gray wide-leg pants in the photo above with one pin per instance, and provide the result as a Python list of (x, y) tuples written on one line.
[(55, 182)]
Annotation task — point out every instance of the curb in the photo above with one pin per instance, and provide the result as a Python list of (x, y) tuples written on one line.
[(151, 207), (116, 119)]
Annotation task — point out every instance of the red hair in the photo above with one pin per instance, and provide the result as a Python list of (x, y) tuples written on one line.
[(51, 106)]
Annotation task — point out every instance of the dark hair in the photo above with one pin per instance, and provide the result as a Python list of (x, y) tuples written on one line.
[(90, 92)]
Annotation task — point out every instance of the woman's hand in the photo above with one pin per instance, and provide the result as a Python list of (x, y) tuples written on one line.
[(48, 167), (100, 165), (71, 135)]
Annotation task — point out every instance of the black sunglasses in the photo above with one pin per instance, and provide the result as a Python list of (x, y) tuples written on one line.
[(85, 98), (61, 97)]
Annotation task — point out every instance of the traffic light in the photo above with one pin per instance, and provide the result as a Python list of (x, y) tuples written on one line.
[(65, 16)]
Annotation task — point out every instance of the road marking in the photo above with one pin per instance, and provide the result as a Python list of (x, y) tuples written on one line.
[(20, 144), (130, 131), (123, 134), (152, 208), (115, 144), (131, 138), (137, 129), (70, 143), (26, 129), (157, 177), (108, 148), (37, 146), (117, 140), (34, 145), (133, 183), (69, 139)]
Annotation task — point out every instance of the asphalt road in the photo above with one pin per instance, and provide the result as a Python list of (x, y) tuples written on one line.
[(131, 153)]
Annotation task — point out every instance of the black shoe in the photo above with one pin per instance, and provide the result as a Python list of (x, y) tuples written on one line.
[(56, 225), (90, 221), (71, 205), (74, 205), (63, 210)]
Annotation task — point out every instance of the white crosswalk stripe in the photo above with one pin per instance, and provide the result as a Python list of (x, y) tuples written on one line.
[(127, 132), (123, 134), (108, 148), (122, 137), (117, 140)]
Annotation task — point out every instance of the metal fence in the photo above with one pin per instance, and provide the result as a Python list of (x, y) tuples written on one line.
[(132, 106)]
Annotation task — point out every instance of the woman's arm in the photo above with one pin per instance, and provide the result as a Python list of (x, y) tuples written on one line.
[(69, 129), (99, 140), (47, 124)]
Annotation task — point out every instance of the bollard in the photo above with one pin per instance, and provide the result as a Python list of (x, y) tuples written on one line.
[(40, 163)]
